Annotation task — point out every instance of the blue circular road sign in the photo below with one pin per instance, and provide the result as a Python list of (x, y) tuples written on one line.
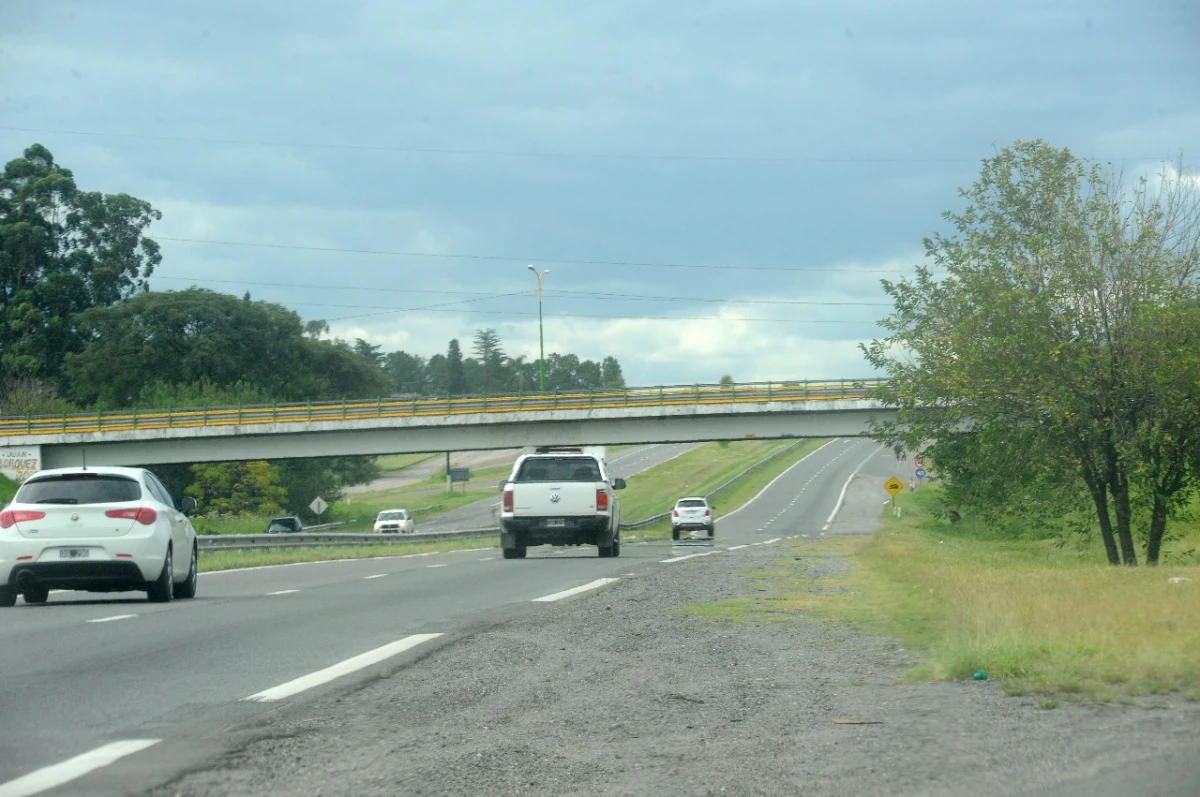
[(920, 473)]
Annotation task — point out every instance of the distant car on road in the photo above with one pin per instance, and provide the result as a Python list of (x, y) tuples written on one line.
[(692, 513), (285, 525), (394, 521), (96, 530)]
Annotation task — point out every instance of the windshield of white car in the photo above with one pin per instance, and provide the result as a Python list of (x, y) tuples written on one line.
[(392, 516), (559, 469), (690, 502), (79, 488)]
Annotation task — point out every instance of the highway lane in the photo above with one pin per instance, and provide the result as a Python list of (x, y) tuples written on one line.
[(482, 513), (181, 672)]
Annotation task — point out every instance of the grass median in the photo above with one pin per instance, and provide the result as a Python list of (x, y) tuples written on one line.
[(1038, 617), (702, 470), (212, 561)]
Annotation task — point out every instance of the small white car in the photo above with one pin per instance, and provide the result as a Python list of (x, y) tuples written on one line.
[(96, 530), (394, 521), (692, 513)]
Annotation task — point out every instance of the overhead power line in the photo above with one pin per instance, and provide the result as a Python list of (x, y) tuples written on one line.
[(560, 294), (528, 259), (494, 152)]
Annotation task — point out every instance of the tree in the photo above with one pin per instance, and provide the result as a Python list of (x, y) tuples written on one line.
[(368, 351), (490, 355), (456, 377), (62, 251), (1065, 317), (611, 373), (406, 373), (238, 488), (197, 335)]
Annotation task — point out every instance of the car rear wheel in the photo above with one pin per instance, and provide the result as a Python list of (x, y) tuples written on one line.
[(616, 547), (514, 553), (8, 598), (712, 530), (36, 595), (163, 587), (188, 588), (674, 533)]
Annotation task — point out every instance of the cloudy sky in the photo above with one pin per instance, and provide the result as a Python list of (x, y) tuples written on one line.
[(715, 186)]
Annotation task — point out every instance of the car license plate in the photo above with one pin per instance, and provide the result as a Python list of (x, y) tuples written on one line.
[(72, 553), (556, 522)]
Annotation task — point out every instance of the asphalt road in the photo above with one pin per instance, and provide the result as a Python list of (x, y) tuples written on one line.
[(83, 671), (482, 513)]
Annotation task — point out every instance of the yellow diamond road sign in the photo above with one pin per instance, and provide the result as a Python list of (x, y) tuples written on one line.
[(893, 485)]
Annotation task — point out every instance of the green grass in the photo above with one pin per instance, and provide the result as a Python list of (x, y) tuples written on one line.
[(235, 560), (1037, 617), (8, 488), (391, 463), (701, 471)]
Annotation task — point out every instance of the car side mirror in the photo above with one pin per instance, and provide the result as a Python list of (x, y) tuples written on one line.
[(618, 484), (503, 484), (187, 505)]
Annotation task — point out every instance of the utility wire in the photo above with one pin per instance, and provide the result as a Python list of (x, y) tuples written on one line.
[(526, 259), (559, 294), (493, 152)]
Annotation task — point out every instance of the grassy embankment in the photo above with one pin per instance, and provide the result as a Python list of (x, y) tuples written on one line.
[(1037, 617), (699, 472)]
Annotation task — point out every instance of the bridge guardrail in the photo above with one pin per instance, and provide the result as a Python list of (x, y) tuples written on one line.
[(246, 415)]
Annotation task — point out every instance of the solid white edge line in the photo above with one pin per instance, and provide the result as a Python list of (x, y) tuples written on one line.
[(114, 617), (283, 592), (334, 671), (777, 478), (689, 556), (66, 771), (377, 575), (846, 486), (444, 564), (737, 547), (566, 593), (768, 542)]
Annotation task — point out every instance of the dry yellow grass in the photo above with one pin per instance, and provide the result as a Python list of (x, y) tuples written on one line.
[(1035, 616)]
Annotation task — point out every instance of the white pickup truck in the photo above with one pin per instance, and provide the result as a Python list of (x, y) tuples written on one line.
[(560, 496)]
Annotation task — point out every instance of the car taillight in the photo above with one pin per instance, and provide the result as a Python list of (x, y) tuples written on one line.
[(601, 501), (508, 500), (707, 512), (10, 517), (676, 513), (142, 514)]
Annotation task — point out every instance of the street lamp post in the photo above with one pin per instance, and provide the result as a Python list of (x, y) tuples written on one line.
[(541, 335)]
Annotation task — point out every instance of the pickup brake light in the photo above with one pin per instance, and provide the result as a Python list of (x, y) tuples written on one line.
[(508, 500), (601, 500)]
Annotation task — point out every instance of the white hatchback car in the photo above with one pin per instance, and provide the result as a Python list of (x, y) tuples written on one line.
[(98, 530), (394, 521)]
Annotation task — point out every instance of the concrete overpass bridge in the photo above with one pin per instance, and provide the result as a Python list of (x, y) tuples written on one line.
[(665, 414)]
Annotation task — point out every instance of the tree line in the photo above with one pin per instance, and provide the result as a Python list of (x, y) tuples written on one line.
[(1048, 357), (80, 330)]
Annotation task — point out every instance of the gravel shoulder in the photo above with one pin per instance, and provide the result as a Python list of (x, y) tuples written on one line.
[(613, 693)]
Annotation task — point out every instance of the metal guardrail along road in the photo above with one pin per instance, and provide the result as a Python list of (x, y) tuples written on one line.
[(243, 542), (663, 396)]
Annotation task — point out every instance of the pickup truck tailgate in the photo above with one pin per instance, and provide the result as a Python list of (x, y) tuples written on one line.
[(551, 499)]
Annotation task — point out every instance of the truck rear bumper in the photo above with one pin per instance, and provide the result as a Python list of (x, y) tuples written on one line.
[(521, 532)]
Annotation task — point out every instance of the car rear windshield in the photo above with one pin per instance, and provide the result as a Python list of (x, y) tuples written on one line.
[(392, 516), (80, 488), (691, 502), (559, 469)]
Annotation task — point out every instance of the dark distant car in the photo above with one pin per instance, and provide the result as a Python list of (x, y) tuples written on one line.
[(284, 525)]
